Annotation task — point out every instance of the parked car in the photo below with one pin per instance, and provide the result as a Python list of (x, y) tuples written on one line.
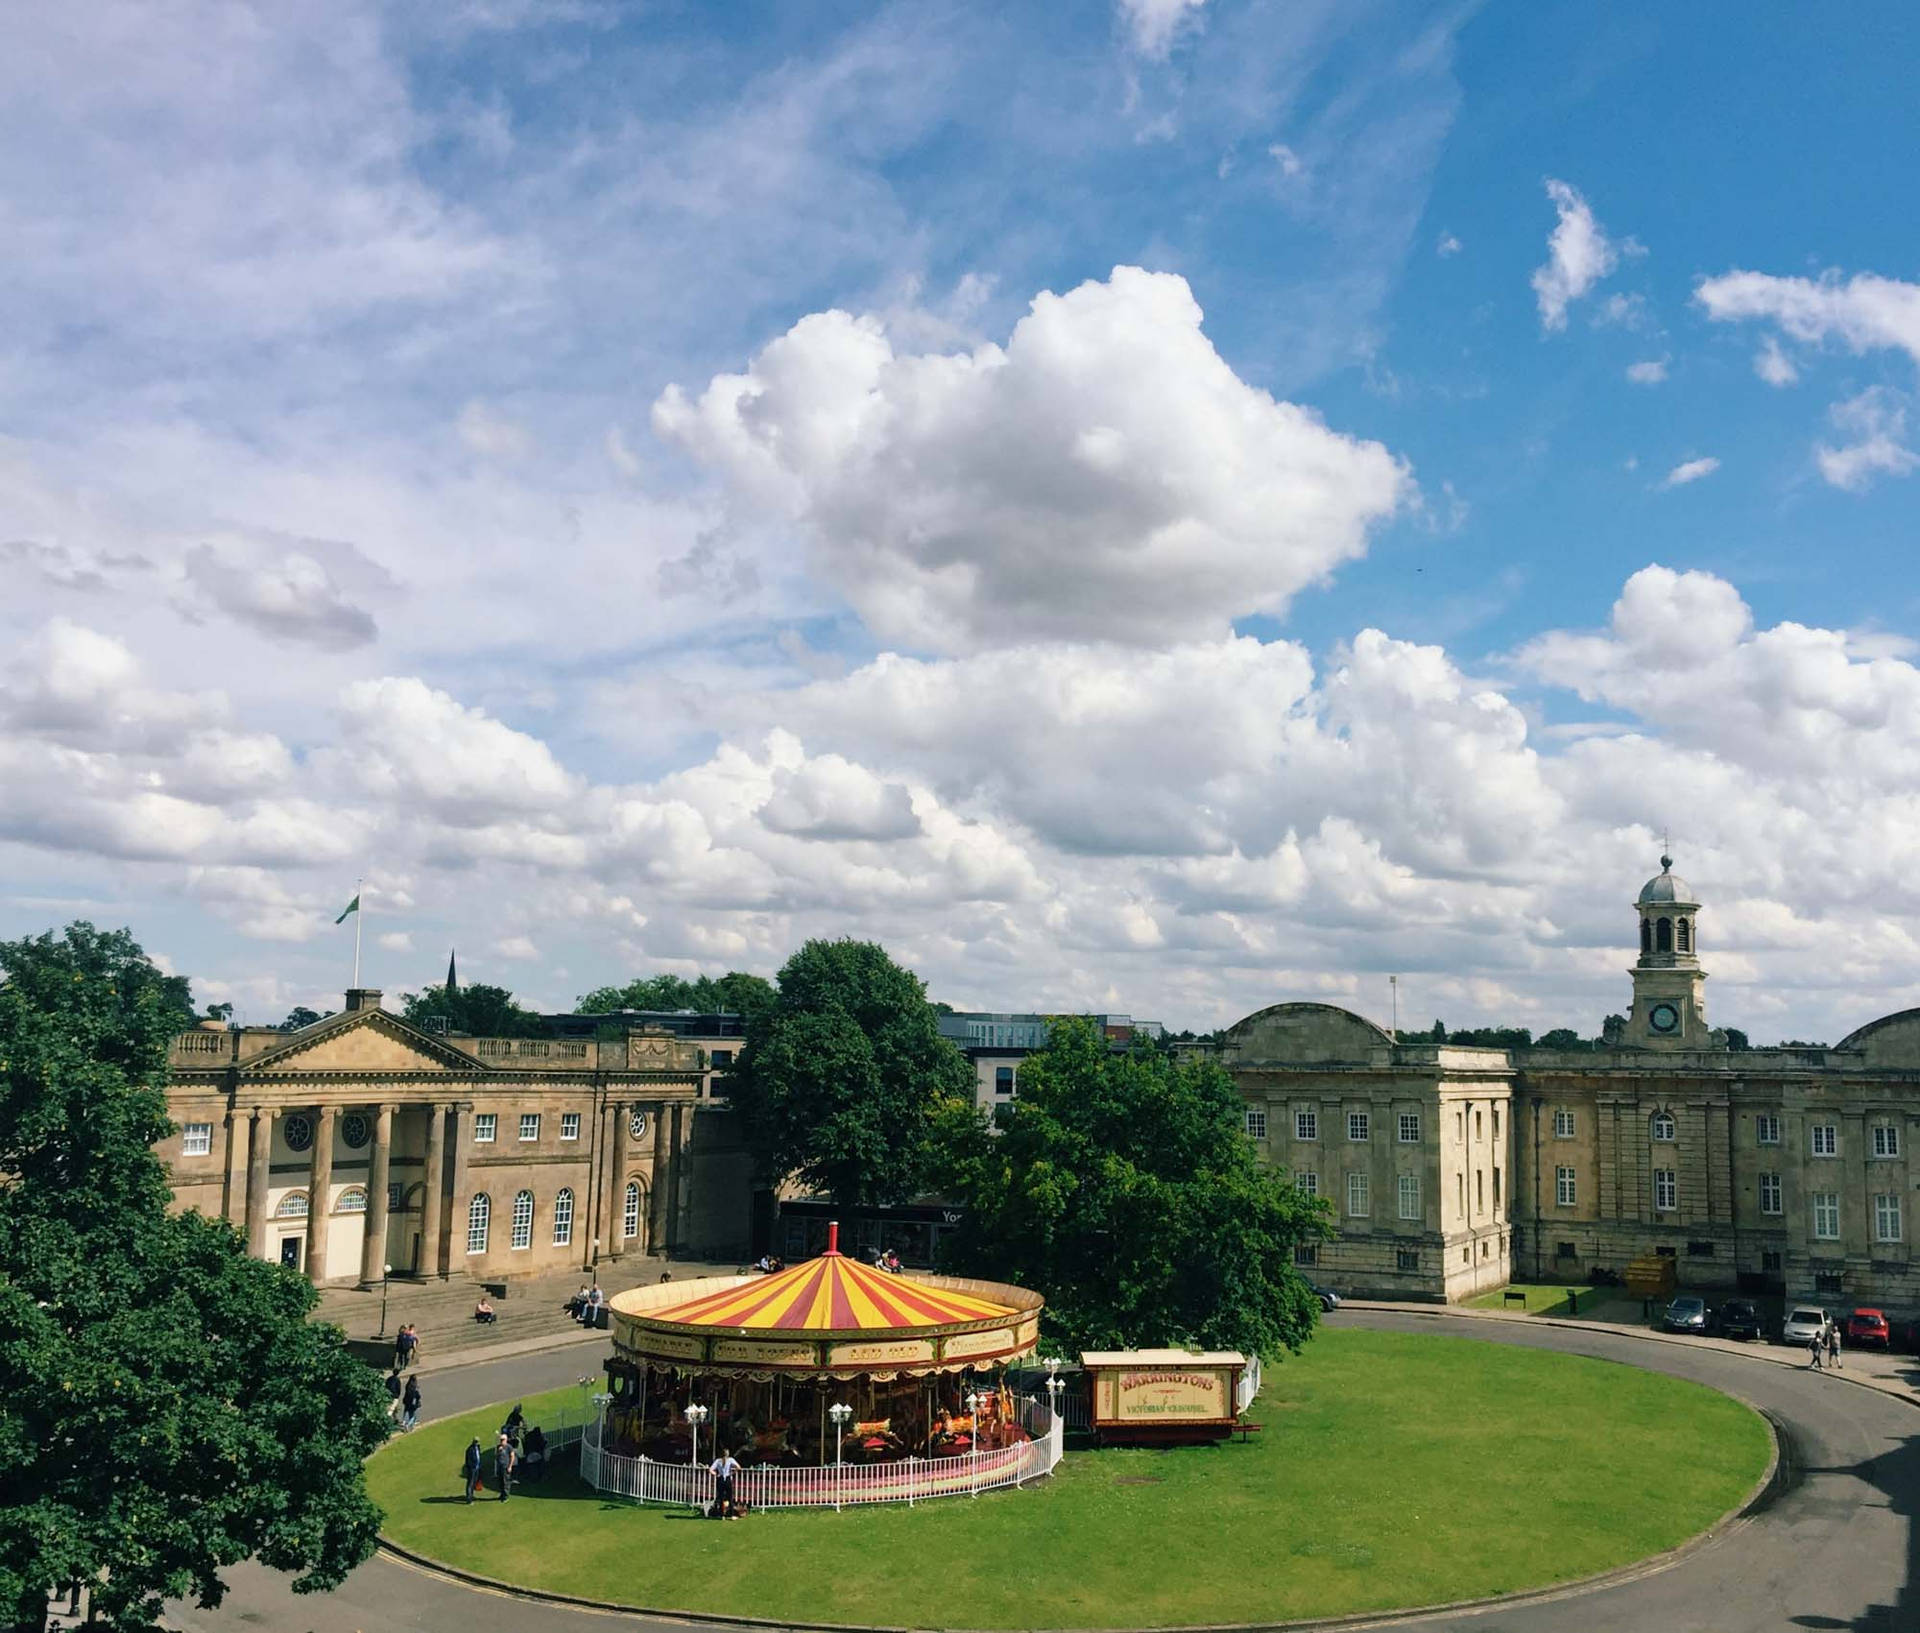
[(1870, 1328), (1329, 1299), (1739, 1319), (1686, 1313), (1804, 1323)]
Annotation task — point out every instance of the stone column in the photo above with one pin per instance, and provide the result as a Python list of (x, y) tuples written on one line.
[(616, 1213), (373, 1250), (683, 1179), (260, 1147), (432, 1201), (234, 1204), (459, 1126), (675, 1159), (319, 1183), (658, 1200)]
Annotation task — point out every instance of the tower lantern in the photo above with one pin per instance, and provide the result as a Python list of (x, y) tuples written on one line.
[(1669, 1000)]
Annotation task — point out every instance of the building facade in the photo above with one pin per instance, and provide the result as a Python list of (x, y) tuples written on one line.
[(1452, 1169), (361, 1142)]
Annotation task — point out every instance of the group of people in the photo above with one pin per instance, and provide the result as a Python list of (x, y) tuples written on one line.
[(519, 1453), (403, 1399), (770, 1264), (889, 1261), (1828, 1342), (585, 1305), (406, 1348)]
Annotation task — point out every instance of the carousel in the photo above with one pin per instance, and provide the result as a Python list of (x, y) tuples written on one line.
[(829, 1382)]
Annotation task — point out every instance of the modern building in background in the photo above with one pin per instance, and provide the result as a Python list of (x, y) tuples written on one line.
[(996, 1042)]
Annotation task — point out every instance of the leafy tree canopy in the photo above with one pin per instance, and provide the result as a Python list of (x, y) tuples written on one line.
[(478, 1010), (1123, 1186), (165, 1409), (299, 1017), (842, 1078), (734, 993), (1736, 1039)]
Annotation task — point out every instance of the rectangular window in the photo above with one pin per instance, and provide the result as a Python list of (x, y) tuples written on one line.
[(1359, 1203), (1566, 1189), (1565, 1250), (569, 1125), (1359, 1126), (1699, 1250), (1826, 1140), (1886, 1143), (1886, 1218), (396, 1198), (563, 1219), (1826, 1216), (483, 1128), (1770, 1193), (1562, 1123), (196, 1140), (1307, 1181), (1459, 1126), (1496, 1187), (1409, 1128), (529, 1125), (1770, 1261), (1306, 1254), (1306, 1125), (1409, 1196), (1003, 1081), (721, 1059), (1408, 1258), (1496, 1122), (1766, 1129), (1256, 1124), (1460, 1190), (1665, 1191), (1479, 1189)]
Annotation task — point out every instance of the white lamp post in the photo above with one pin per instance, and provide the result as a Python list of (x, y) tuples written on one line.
[(696, 1415), (386, 1271), (839, 1412)]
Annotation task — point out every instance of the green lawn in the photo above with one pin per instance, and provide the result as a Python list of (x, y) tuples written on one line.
[(1548, 1298), (1393, 1470)]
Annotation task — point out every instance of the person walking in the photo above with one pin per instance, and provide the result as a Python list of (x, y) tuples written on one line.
[(404, 1346), (394, 1390), (504, 1459), (471, 1467), (410, 1403), (1816, 1347), (1833, 1345)]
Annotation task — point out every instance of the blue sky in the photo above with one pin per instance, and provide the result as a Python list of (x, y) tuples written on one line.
[(1142, 504)]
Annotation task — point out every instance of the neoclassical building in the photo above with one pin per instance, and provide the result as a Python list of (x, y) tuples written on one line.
[(1452, 1169), (361, 1142)]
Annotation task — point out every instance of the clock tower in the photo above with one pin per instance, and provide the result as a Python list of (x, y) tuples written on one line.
[(1669, 1003)]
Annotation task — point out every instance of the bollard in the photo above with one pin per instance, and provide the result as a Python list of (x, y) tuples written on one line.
[(1573, 1302)]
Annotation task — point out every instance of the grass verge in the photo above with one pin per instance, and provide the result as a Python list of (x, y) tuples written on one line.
[(1393, 1470)]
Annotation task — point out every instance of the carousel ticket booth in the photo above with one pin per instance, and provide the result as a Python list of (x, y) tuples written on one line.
[(1165, 1396), (831, 1382)]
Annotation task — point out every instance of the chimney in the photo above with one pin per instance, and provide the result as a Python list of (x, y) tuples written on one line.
[(359, 998)]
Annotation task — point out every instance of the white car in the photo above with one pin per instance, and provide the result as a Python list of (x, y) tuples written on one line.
[(1803, 1325)]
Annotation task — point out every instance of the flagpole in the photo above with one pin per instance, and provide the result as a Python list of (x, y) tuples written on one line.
[(360, 913)]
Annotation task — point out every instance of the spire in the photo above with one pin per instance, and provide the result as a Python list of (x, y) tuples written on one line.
[(452, 980)]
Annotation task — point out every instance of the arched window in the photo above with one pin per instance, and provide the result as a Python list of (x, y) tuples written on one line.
[(479, 1212), (522, 1219), (1684, 935), (1646, 935), (1663, 1125), (292, 1206), (352, 1200), (563, 1219), (630, 1211), (1663, 936)]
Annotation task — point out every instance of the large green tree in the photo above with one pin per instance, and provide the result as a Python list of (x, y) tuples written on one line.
[(733, 993), (843, 1077), (1122, 1185), (478, 1010), (166, 1410)]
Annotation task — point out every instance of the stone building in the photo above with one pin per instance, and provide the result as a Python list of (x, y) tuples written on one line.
[(361, 1141), (1451, 1169)]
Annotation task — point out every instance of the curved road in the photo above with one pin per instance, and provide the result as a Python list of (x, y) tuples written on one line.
[(1834, 1550)]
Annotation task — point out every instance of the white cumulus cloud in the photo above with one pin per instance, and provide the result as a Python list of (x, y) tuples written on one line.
[(1153, 25), (1863, 312), (1875, 424), (1691, 470), (1579, 255)]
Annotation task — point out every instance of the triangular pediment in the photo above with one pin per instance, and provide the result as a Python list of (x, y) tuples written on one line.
[(364, 1041)]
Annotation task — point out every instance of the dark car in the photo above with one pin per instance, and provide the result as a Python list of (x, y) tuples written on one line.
[(1687, 1313), (1739, 1319), (1329, 1299), (1869, 1327)]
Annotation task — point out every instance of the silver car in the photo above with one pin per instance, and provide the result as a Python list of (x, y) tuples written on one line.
[(1803, 1325)]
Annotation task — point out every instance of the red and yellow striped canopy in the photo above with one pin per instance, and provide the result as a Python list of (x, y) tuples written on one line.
[(832, 1294)]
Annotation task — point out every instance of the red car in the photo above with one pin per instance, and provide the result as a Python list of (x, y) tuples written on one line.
[(1869, 1327)]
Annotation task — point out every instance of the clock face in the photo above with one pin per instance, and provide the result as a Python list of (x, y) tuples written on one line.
[(1663, 1018)]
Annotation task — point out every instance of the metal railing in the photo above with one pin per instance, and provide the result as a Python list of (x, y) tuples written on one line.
[(911, 1480)]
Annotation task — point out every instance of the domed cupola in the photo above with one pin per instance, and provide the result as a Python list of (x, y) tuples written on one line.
[(1669, 1003)]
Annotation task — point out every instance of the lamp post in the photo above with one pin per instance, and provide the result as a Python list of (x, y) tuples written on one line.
[(386, 1270), (974, 1402), (696, 1415), (1055, 1384), (839, 1412)]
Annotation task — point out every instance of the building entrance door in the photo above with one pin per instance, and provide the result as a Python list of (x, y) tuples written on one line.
[(290, 1251)]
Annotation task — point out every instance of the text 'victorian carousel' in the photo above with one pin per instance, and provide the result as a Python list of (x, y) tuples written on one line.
[(830, 1383)]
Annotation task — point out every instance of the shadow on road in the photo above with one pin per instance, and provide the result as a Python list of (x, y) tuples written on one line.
[(1896, 1476)]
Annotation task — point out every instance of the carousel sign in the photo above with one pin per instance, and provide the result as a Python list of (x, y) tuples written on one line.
[(1163, 1394)]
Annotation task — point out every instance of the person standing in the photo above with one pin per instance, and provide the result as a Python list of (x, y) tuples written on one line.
[(504, 1459), (1833, 1345), (471, 1467), (394, 1389), (410, 1403), (404, 1348), (724, 1467)]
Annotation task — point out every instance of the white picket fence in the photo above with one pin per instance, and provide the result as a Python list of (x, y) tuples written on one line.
[(1248, 1387), (912, 1480)]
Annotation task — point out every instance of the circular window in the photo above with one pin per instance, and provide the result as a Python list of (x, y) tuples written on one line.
[(298, 1132), (355, 1129), (637, 1125)]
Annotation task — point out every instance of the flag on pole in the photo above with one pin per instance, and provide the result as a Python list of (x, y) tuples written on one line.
[(351, 907)]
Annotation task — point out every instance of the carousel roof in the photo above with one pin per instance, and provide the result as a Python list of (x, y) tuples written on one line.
[(832, 1294)]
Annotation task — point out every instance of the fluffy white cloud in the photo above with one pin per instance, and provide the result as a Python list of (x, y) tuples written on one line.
[(1579, 255), (954, 499), (1773, 365), (288, 591), (1649, 372), (1691, 470), (1862, 312), (1875, 424), (1152, 25)]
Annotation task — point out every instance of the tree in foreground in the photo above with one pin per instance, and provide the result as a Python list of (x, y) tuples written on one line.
[(843, 1078), (1121, 1184), (165, 1408), (733, 993)]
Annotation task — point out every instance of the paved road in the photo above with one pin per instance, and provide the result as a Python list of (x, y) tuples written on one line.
[(1835, 1550)]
